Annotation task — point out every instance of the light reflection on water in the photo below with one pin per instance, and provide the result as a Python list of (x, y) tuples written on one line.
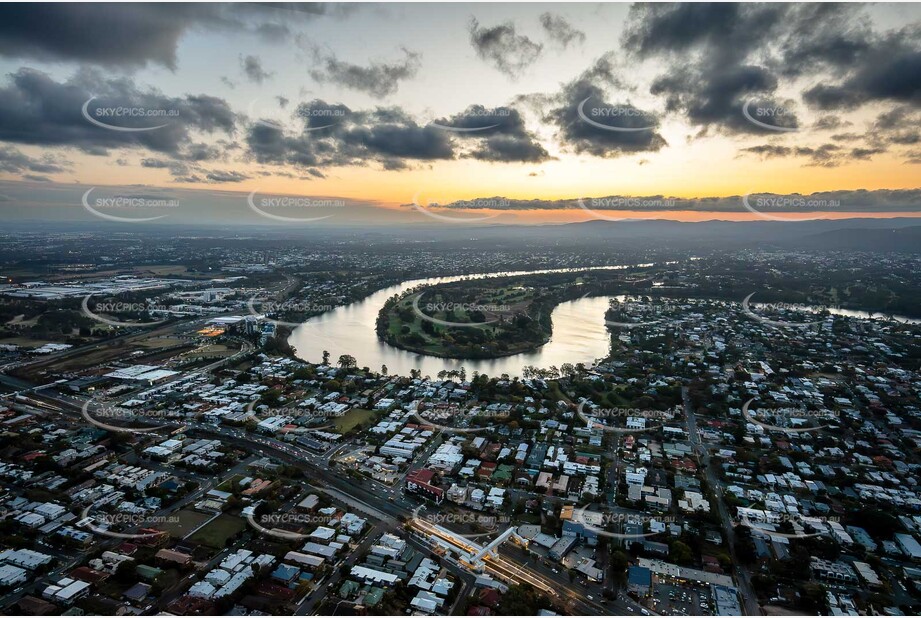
[(579, 333)]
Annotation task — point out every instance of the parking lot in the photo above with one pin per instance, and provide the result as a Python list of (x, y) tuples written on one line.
[(671, 599)]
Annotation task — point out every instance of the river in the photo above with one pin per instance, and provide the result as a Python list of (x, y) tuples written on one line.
[(579, 333)]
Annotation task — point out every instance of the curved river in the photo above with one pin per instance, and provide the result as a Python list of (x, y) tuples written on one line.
[(579, 332)]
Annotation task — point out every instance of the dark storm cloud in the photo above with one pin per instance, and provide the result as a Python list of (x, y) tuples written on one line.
[(133, 35), (500, 134), (36, 109), (502, 47), (379, 79), (589, 124), (252, 67), (560, 31)]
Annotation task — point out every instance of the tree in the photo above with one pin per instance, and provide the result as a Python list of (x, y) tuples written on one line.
[(680, 553), (619, 563), (347, 361), (384, 370), (325, 357)]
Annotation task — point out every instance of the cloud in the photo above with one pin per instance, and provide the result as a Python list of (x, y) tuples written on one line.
[(252, 67), (507, 148), (829, 123), (888, 68), (589, 124), (502, 47), (179, 170), (226, 176), (866, 153), (136, 34), (499, 134), (846, 137), (13, 161), (706, 48), (334, 135), (826, 155), (561, 31), (862, 200), (379, 79), (898, 125), (36, 109), (121, 34), (720, 55)]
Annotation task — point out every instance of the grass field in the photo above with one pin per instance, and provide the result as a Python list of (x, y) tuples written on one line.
[(228, 484), (161, 342), (351, 418), (24, 342), (218, 531), (188, 521), (164, 269)]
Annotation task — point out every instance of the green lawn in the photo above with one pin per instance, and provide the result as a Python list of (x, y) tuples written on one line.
[(354, 416), (188, 521), (229, 483), (218, 531)]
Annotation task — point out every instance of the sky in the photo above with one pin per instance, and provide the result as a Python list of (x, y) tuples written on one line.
[(525, 112)]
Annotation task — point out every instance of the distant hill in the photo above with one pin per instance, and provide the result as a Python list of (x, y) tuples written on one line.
[(902, 234), (906, 239)]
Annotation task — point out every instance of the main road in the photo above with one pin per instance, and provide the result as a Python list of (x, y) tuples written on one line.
[(702, 451)]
